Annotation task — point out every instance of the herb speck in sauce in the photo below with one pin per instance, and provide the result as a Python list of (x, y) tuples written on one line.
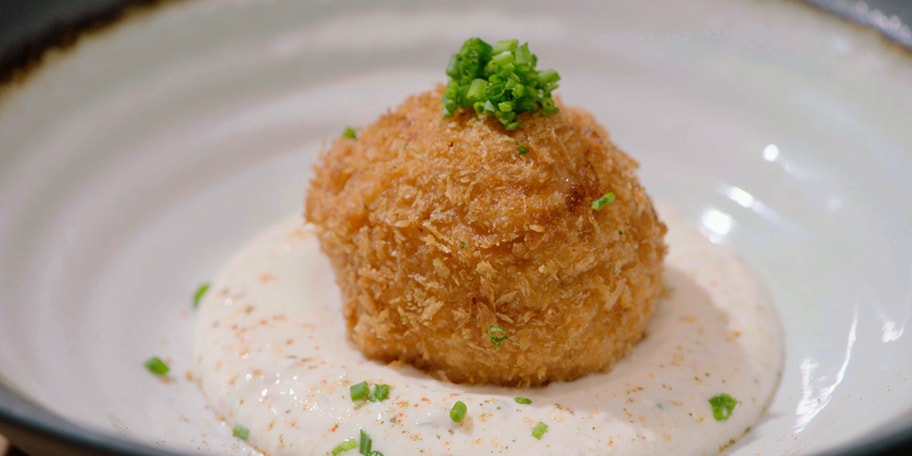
[(458, 412), (365, 443), (198, 296), (362, 391), (539, 430), (359, 391), (381, 392), (240, 432), (722, 406), (348, 444), (156, 366)]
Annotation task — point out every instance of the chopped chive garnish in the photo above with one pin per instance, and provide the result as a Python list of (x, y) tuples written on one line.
[(240, 432), (350, 133), (364, 444), (605, 200), (157, 366), (499, 80), (198, 296), (497, 335), (539, 430), (722, 406), (348, 444), (458, 412), (359, 391), (381, 392), (522, 400), (522, 150), (376, 453)]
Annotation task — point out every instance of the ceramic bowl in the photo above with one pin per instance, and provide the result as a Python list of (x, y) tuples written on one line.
[(137, 160)]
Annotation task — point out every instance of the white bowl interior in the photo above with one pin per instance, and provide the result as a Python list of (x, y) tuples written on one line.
[(135, 164)]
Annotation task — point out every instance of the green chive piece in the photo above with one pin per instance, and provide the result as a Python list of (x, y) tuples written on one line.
[(458, 412), (350, 133), (548, 76), (157, 366), (605, 200), (240, 432), (539, 430), (348, 444), (502, 59), (505, 46), (500, 81), (722, 406), (522, 400), (476, 90), (198, 296), (364, 444), (497, 335), (381, 392), (522, 150), (359, 391), (376, 453), (523, 56)]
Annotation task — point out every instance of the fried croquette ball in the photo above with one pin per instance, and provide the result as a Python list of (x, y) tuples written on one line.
[(477, 253)]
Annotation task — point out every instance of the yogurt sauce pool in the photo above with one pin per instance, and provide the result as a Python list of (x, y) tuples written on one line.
[(273, 357)]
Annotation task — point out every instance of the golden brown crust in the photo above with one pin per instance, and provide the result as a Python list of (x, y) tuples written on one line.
[(438, 229)]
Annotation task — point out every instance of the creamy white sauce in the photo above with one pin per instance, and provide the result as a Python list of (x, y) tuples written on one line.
[(273, 356)]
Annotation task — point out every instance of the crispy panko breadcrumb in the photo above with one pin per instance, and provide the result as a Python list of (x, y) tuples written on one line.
[(439, 229)]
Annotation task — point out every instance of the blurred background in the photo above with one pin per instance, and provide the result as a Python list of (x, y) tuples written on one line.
[(28, 27)]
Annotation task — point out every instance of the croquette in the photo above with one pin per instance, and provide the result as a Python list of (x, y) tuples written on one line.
[(478, 254)]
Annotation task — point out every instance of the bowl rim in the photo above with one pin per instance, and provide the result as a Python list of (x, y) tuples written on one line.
[(34, 429)]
